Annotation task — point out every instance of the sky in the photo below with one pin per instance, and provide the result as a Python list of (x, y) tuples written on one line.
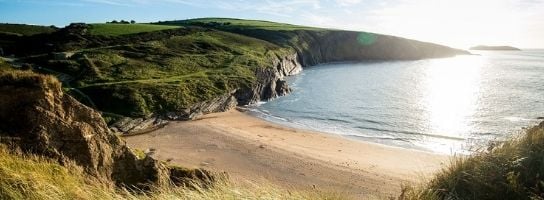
[(456, 23)]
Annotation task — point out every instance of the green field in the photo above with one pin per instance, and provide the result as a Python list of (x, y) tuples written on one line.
[(124, 29), (239, 23)]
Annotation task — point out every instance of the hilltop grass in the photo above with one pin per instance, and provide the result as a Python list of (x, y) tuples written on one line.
[(240, 23), (33, 177), (513, 169), (125, 29), (24, 30)]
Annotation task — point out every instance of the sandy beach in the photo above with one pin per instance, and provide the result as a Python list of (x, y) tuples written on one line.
[(253, 150)]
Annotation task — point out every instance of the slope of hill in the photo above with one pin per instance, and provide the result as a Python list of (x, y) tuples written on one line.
[(182, 69), (25, 30)]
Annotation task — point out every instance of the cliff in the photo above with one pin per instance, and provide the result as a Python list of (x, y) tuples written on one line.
[(39, 119), (325, 46), (205, 66)]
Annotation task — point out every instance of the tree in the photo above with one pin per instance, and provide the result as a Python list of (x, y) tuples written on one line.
[(114, 22), (132, 22)]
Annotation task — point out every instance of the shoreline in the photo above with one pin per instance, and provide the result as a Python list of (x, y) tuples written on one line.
[(253, 150), (255, 112)]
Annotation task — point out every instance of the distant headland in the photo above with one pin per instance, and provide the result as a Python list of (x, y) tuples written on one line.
[(495, 48)]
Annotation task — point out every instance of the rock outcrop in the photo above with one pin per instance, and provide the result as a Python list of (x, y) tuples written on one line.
[(270, 80), (38, 118), (218, 104)]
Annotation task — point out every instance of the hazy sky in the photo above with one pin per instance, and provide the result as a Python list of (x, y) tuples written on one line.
[(458, 23)]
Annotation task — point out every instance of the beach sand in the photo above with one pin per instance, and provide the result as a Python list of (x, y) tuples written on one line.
[(256, 151)]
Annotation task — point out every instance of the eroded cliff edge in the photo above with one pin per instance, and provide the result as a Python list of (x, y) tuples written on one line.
[(38, 118)]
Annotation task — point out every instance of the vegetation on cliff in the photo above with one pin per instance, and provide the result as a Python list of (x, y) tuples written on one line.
[(512, 169), (53, 147), (183, 68)]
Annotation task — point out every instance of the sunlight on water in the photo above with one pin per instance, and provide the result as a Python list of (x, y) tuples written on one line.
[(450, 98), (442, 105)]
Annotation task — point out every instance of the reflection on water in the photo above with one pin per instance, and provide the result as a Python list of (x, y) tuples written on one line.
[(450, 97), (438, 104)]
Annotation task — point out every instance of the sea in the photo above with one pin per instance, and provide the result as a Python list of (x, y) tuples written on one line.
[(454, 105)]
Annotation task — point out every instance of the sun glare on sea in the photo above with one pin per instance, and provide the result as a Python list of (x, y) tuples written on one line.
[(451, 88)]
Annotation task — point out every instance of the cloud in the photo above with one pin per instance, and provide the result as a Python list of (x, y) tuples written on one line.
[(347, 2), (283, 8)]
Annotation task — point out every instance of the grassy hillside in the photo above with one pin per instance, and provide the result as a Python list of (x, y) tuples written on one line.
[(137, 70), (125, 29), (141, 77), (513, 169), (238, 23), (24, 30), (31, 177)]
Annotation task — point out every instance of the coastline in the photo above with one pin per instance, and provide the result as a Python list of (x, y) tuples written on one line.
[(253, 150)]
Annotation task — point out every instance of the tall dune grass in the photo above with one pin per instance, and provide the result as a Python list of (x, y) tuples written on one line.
[(33, 177), (512, 169)]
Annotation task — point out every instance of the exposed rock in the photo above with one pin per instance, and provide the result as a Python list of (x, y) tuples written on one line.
[(219, 104), (282, 87), (38, 118), (270, 83), (128, 125)]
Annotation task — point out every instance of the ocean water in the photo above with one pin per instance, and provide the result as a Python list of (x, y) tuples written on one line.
[(447, 105)]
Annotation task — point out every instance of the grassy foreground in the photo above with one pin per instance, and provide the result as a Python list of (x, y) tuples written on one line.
[(513, 169), (32, 177)]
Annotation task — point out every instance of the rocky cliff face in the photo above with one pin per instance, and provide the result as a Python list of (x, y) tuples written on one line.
[(270, 81), (38, 118), (270, 84)]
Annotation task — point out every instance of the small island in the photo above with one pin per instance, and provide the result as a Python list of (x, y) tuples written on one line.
[(495, 48)]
